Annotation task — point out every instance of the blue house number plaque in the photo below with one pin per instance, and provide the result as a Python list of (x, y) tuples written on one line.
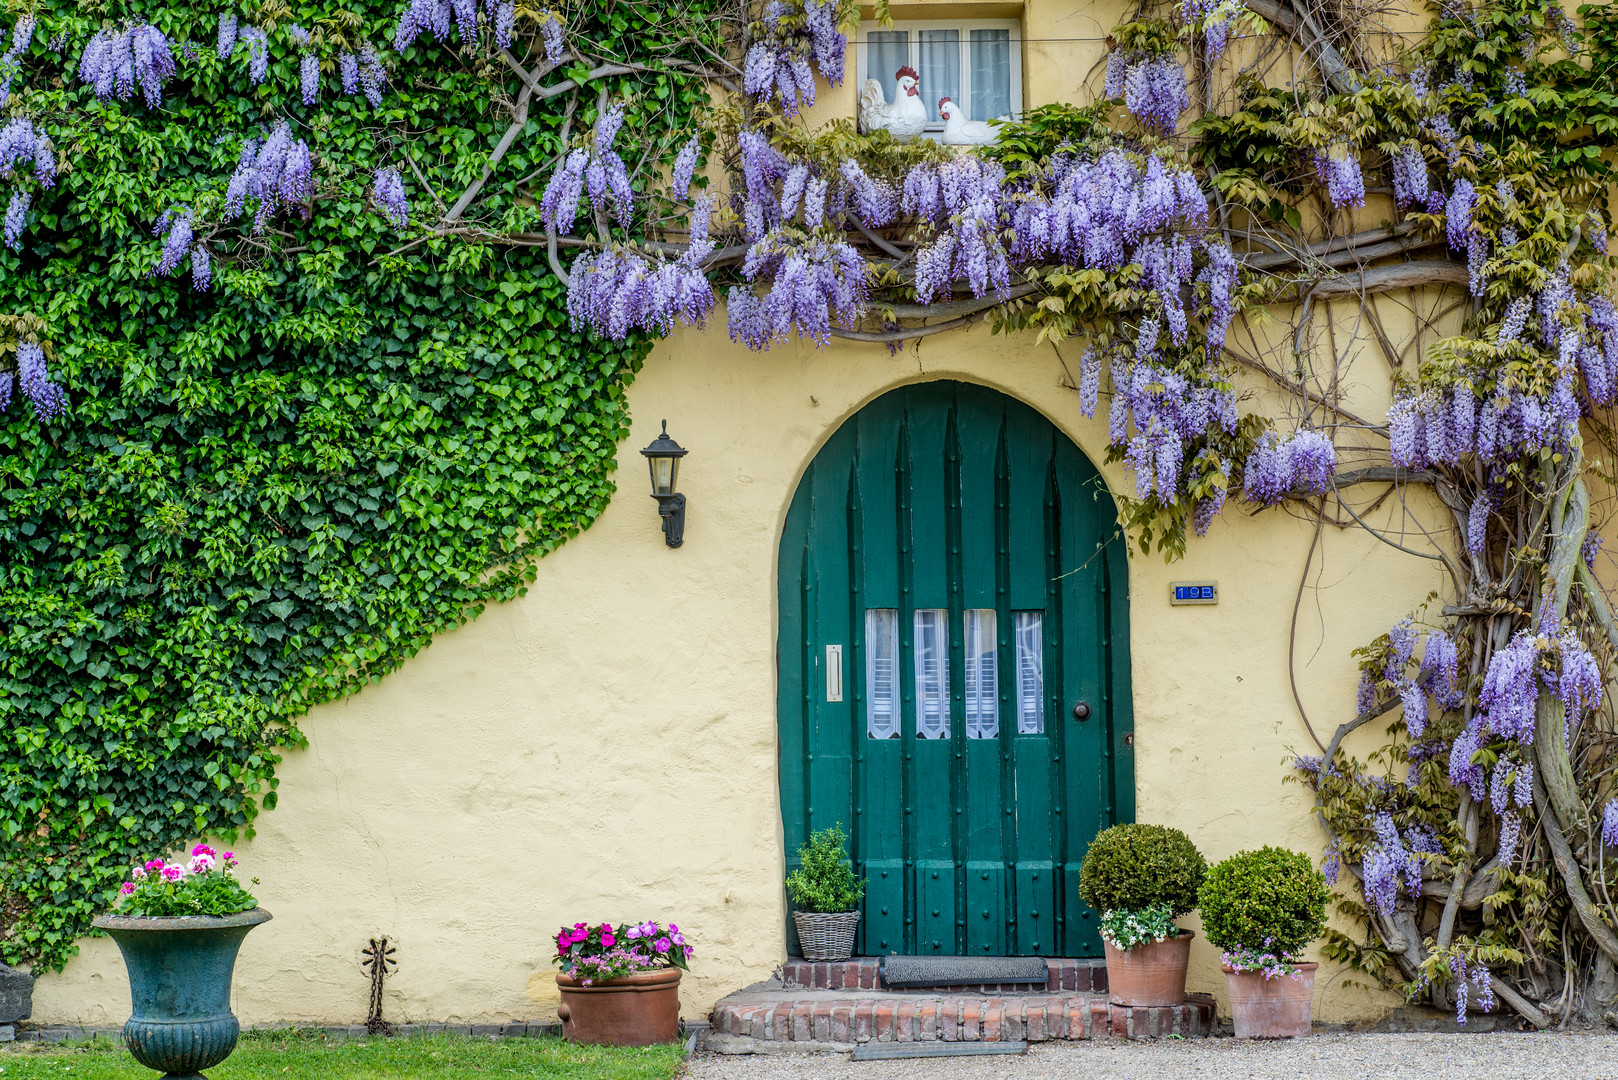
[(1194, 592)]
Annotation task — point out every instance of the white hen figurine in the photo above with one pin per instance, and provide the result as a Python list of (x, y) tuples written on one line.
[(905, 117), (958, 130)]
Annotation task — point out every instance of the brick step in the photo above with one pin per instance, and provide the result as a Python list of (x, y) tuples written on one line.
[(772, 1014), (1067, 975)]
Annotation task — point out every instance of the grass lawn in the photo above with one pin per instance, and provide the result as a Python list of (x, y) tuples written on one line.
[(292, 1056)]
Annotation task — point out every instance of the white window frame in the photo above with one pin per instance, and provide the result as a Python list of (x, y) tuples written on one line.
[(965, 26)]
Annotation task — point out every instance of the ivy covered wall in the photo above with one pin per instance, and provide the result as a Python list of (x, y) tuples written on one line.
[(246, 499)]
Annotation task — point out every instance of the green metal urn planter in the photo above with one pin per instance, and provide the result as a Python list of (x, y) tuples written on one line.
[(179, 987)]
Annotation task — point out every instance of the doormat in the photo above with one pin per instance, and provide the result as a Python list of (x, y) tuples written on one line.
[(905, 972), (874, 1051)]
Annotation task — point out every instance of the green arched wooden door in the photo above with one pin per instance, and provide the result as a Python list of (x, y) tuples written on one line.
[(952, 586)]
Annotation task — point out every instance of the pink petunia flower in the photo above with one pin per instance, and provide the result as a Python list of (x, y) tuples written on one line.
[(607, 940), (632, 933), (661, 944)]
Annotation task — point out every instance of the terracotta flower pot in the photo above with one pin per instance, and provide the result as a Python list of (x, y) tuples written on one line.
[(636, 1010), (1150, 974), (1278, 1008)]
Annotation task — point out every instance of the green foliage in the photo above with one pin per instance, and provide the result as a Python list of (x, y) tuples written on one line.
[(1269, 900), (824, 880), (266, 496), (1131, 867), (1027, 145)]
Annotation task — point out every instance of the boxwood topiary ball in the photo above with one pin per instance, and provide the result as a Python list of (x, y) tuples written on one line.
[(1131, 866), (1270, 900)]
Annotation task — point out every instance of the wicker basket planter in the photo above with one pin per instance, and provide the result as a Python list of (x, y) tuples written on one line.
[(826, 935)]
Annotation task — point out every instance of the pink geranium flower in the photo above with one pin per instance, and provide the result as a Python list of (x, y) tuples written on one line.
[(127, 887), (174, 873)]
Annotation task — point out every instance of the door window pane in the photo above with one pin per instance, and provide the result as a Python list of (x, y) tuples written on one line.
[(991, 74), (1030, 672), (886, 51), (932, 673), (881, 651), (940, 70), (982, 655)]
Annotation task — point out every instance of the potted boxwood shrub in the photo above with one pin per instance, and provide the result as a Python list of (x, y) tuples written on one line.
[(620, 985), (1141, 878), (826, 895), (1261, 908), (179, 926)]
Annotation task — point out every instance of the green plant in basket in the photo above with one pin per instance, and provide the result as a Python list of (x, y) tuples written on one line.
[(825, 879), (1262, 907)]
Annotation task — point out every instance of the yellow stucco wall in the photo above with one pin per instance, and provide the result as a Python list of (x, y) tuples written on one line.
[(605, 747)]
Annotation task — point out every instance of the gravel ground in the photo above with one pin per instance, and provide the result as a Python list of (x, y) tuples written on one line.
[(1503, 1056)]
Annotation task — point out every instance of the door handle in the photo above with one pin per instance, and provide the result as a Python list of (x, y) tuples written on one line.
[(1081, 711)]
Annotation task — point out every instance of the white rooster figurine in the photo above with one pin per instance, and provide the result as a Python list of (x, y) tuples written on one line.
[(904, 118), (959, 131)]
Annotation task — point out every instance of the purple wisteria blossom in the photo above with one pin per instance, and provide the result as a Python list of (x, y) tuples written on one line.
[(437, 18), (553, 35), (228, 26), (309, 78), (48, 398), (16, 218), (348, 71), (1339, 170), (1410, 182), (1609, 823), (258, 53), (21, 142), (794, 32), (1167, 410), (596, 171), (1303, 463), (816, 284), (116, 61), (387, 190), (371, 75), (1390, 867), (1213, 18), (174, 228), (1153, 88), (201, 269), (618, 291), (685, 166), (277, 173)]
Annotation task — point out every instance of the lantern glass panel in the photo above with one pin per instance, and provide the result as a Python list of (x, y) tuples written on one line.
[(663, 470)]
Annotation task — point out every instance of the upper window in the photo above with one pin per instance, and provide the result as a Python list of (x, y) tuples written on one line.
[(976, 63)]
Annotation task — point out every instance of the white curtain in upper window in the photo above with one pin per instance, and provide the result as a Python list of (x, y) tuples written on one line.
[(1030, 672), (932, 673), (991, 74), (982, 684), (886, 52), (881, 654), (940, 69)]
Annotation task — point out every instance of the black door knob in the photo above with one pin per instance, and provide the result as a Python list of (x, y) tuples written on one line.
[(1081, 711)]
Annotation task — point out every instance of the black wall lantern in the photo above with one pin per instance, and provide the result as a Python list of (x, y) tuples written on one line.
[(663, 458)]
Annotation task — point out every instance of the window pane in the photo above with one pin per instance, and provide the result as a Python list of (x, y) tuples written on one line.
[(886, 51), (881, 650), (991, 74), (932, 673), (1030, 672), (940, 70), (982, 700)]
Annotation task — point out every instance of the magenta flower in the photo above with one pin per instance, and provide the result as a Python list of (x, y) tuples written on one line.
[(126, 888), (173, 873), (607, 940), (661, 944), (155, 865), (632, 933), (204, 849)]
